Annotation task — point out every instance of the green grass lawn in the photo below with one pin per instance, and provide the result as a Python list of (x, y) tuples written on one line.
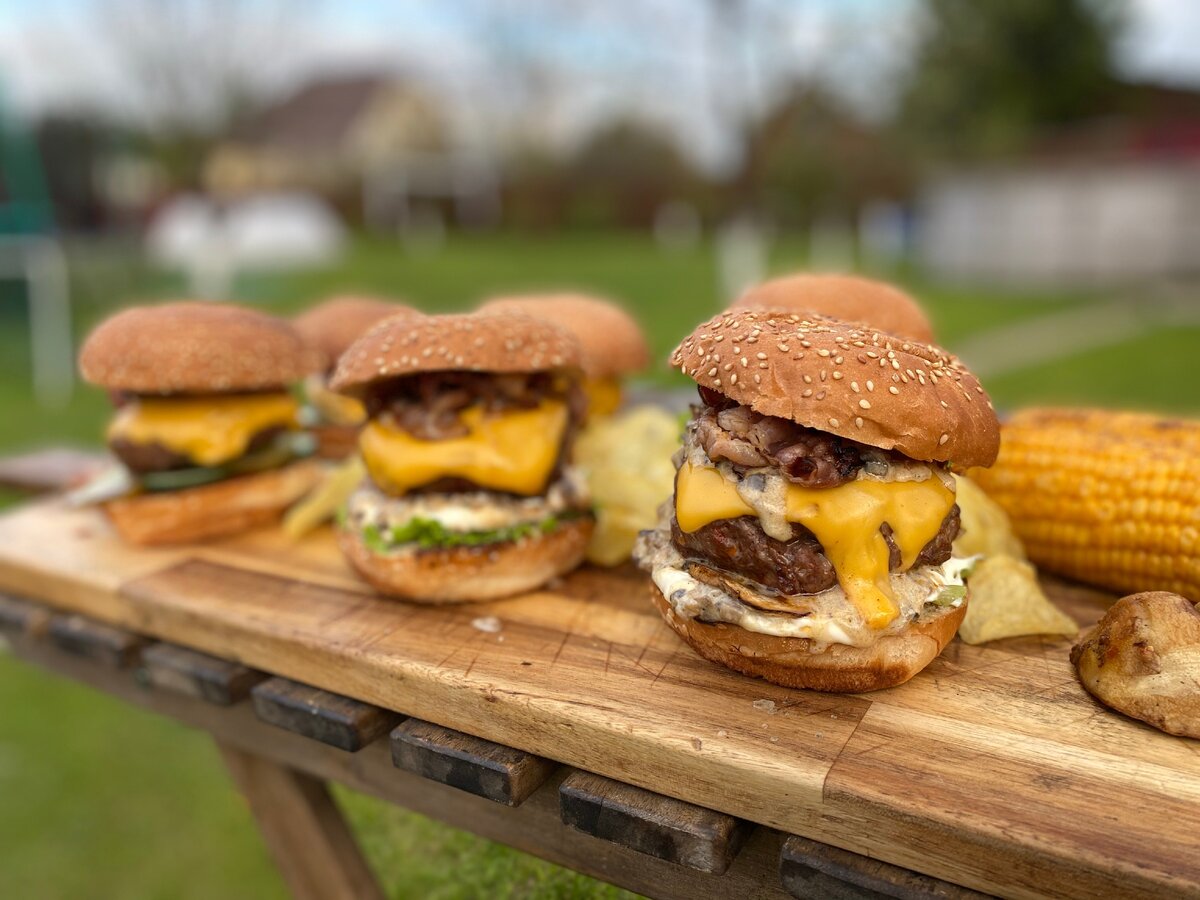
[(100, 800)]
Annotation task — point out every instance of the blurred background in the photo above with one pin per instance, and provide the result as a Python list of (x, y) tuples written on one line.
[(1029, 169)]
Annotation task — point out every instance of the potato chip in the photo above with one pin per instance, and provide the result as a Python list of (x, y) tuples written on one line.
[(627, 460), (986, 529), (1006, 600), (323, 501)]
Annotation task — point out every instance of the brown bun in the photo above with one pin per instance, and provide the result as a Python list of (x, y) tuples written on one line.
[(335, 441), (472, 342), (840, 668), (332, 326), (193, 347), (470, 574), (613, 343), (848, 297), (212, 510), (848, 380)]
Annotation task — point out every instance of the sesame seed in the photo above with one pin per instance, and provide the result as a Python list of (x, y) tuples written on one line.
[(945, 405), (893, 389), (822, 374), (858, 421), (854, 386), (757, 378), (838, 359), (784, 348), (712, 371), (837, 376), (807, 392), (808, 379), (717, 381), (870, 385), (943, 439), (733, 378), (820, 395), (834, 422), (864, 403)]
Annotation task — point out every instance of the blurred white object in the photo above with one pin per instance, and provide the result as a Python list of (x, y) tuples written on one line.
[(741, 255), (41, 263), (211, 242), (677, 226)]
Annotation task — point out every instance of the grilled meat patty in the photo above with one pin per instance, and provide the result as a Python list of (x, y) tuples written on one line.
[(797, 566), (154, 457)]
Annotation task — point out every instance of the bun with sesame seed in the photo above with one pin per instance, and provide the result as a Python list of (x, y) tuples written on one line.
[(847, 379), (848, 297), (195, 347), (810, 538), (470, 494), (500, 342), (333, 325), (611, 340)]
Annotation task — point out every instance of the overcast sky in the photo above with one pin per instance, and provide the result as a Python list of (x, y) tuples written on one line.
[(665, 60)]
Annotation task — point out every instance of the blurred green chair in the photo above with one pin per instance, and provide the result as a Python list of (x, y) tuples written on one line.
[(30, 251)]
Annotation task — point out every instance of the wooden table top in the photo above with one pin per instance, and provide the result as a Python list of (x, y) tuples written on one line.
[(992, 768)]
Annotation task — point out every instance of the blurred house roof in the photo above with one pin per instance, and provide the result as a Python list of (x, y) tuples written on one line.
[(317, 117), (1146, 122)]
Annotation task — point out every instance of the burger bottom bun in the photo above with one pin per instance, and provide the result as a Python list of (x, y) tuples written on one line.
[(470, 574), (839, 668), (212, 510)]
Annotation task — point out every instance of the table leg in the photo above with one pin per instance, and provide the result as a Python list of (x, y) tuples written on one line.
[(304, 830)]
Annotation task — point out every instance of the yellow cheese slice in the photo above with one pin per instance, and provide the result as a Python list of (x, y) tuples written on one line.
[(208, 430), (513, 451), (603, 396), (845, 519)]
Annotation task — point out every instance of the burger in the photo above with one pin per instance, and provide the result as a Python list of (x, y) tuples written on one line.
[(613, 345), (851, 298), (331, 327), (469, 492), (808, 540), (205, 430)]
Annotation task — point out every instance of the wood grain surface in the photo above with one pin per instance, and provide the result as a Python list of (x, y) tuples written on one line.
[(333, 719), (991, 769)]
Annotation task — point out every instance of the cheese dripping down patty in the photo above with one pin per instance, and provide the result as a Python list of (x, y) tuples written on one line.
[(209, 430), (512, 451), (845, 520)]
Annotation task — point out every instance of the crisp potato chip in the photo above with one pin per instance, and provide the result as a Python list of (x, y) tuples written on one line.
[(986, 529), (323, 501), (627, 459), (1007, 601)]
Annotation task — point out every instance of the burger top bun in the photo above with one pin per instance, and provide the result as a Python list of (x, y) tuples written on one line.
[(335, 324), (849, 297), (846, 379), (612, 343), (195, 347), (471, 342)]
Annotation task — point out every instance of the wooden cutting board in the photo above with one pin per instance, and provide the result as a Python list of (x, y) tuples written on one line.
[(992, 768)]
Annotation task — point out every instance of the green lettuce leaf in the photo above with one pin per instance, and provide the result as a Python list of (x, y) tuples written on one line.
[(429, 534)]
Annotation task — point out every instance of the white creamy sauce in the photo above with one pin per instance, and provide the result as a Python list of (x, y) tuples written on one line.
[(468, 511), (834, 620)]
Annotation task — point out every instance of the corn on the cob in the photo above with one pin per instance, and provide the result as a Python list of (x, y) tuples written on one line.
[(1109, 498)]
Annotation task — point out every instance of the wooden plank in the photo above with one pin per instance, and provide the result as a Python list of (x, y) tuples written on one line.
[(53, 469), (170, 667), (309, 840), (534, 827), (813, 871), (21, 618), (330, 718), (95, 640), (486, 769), (650, 823), (585, 672)]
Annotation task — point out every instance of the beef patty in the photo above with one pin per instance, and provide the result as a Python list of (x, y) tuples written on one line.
[(796, 566), (154, 457)]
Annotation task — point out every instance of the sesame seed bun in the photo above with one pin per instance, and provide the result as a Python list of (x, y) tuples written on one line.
[(212, 510), (846, 379), (470, 574), (849, 297), (194, 347), (613, 343), (795, 663), (472, 342), (335, 324)]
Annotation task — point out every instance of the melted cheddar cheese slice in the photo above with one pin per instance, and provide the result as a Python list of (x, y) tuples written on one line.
[(207, 430), (603, 396), (845, 519), (512, 452)]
